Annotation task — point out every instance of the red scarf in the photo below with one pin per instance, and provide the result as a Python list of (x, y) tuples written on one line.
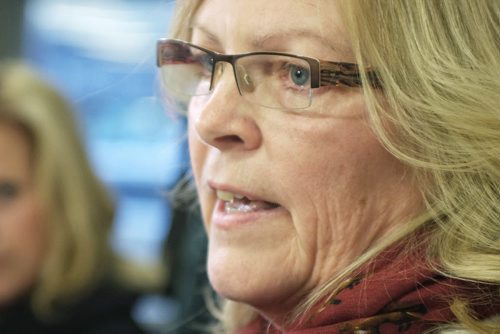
[(392, 295)]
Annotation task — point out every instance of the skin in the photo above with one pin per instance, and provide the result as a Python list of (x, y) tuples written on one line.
[(22, 235), (337, 188)]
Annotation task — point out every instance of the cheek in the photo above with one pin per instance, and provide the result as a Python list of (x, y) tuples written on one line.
[(197, 149), (198, 152), (34, 231), (335, 176), (22, 222), (194, 148), (331, 158), (23, 248), (195, 144), (34, 221)]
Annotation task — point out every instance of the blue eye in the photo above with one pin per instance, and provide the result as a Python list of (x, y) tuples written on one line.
[(299, 75)]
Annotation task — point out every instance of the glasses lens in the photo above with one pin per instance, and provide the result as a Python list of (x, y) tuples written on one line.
[(275, 81), (186, 71)]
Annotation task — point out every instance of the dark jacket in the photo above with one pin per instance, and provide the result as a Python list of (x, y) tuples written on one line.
[(106, 311)]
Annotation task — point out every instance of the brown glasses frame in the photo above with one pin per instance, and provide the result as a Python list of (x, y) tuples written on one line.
[(323, 72)]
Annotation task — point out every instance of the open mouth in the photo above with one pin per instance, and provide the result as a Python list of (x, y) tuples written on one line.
[(236, 203)]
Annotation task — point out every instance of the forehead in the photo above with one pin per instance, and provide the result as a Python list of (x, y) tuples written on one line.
[(245, 24)]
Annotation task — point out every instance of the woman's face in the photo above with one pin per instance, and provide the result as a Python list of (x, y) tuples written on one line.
[(320, 188), (22, 235)]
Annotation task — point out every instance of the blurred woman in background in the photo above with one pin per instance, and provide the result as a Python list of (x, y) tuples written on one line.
[(57, 272)]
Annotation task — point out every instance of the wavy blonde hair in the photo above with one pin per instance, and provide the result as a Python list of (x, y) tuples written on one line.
[(439, 62), (77, 207), (439, 113)]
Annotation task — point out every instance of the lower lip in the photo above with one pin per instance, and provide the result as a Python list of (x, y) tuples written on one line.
[(226, 220)]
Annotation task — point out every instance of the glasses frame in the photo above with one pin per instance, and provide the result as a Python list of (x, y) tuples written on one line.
[(323, 72)]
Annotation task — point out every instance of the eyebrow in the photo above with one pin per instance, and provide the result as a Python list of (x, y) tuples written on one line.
[(260, 42), (208, 34)]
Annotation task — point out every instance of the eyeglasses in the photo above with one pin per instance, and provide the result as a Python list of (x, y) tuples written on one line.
[(270, 79)]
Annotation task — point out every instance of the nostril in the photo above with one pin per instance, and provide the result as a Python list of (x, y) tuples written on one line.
[(230, 139)]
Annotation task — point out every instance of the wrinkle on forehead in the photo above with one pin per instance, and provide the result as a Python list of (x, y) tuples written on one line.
[(320, 23)]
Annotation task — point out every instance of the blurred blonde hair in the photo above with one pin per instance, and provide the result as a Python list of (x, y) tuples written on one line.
[(77, 207), (439, 113)]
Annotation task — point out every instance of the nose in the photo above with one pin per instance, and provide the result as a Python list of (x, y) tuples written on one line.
[(223, 119)]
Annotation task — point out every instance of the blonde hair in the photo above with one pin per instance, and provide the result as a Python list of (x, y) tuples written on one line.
[(438, 112), (439, 62), (77, 207)]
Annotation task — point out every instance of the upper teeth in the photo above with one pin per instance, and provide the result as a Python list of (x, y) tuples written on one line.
[(228, 196)]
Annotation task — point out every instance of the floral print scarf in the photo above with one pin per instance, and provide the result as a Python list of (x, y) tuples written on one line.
[(394, 294)]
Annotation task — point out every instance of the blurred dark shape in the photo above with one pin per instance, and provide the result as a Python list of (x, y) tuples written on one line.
[(186, 251), (11, 13)]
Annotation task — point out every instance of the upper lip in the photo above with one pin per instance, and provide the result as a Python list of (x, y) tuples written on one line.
[(232, 189)]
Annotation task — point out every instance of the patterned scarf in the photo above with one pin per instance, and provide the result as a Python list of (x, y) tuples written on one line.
[(391, 295)]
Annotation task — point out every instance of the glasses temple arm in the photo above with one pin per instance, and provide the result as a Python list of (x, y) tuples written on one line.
[(346, 74)]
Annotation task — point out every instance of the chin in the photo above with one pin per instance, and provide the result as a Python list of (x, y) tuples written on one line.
[(261, 286)]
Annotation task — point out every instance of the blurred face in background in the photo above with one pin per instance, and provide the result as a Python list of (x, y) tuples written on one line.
[(289, 198), (22, 233)]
